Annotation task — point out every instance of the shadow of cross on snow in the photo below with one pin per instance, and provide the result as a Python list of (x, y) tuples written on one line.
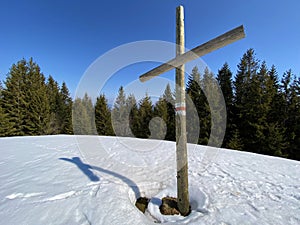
[(87, 170)]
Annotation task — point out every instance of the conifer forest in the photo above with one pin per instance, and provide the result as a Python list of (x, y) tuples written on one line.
[(262, 107)]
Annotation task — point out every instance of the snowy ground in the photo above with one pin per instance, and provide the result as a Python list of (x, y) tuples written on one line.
[(96, 180)]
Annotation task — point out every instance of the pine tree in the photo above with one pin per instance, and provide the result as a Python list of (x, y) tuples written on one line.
[(60, 108), (276, 113), (235, 142), (144, 116), (4, 121), (290, 90), (275, 141), (272, 142), (65, 110), (36, 119), (14, 104), (54, 101), (88, 105), (195, 103), (25, 99), (215, 107), (160, 111), (103, 117), (1, 89), (295, 154), (168, 97), (244, 94), (120, 114), (132, 112), (224, 78), (83, 116)]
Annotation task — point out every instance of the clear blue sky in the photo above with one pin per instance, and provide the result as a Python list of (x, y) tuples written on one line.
[(64, 37)]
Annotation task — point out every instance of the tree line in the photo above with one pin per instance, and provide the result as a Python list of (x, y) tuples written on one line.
[(263, 110), (32, 105)]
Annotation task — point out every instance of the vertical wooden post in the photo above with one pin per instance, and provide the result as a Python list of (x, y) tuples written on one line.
[(181, 139)]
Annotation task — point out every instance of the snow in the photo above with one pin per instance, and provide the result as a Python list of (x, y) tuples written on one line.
[(96, 180)]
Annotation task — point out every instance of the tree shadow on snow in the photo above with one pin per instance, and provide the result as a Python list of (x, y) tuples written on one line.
[(87, 170)]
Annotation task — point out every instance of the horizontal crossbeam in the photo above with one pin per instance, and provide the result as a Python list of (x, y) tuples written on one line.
[(201, 50)]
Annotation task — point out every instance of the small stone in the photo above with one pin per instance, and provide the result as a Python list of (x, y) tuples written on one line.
[(142, 204), (169, 206)]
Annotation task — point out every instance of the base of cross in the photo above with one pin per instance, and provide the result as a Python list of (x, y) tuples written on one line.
[(168, 206)]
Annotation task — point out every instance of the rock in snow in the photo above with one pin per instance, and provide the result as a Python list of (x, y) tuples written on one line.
[(96, 180)]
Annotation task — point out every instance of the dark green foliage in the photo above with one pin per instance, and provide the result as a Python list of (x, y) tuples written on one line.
[(224, 78), (30, 106), (65, 115), (145, 115), (245, 94), (160, 111), (54, 104), (164, 109), (215, 122), (13, 102), (83, 116), (132, 112), (194, 101), (290, 91), (263, 113), (256, 107), (36, 120), (235, 141), (60, 108), (120, 115), (25, 100), (170, 103), (103, 117), (5, 125), (197, 101)]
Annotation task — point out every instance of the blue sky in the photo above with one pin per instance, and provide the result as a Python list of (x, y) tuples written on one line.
[(65, 37)]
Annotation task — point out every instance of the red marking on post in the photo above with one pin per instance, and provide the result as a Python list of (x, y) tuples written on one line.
[(180, 108)]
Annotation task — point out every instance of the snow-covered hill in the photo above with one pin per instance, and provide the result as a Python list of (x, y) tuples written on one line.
[(96, 180)]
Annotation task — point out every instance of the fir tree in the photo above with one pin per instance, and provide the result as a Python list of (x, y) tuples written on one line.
[(215, 123), (272, 142), (14, 104), (160, 111), (224, 78), (88, 105), (291, 110), (120, 114), (132, 113), (4, 121), (235, 142), (103, 117), (275, 114), (1, 89), (168, 97), (83, 116), (65, 110), (54, 101), (196, 109), (144, 116), (25, 99), (243, 111), (36, 119)]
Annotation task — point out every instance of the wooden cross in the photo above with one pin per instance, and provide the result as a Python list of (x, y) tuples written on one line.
[(180, 107)]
